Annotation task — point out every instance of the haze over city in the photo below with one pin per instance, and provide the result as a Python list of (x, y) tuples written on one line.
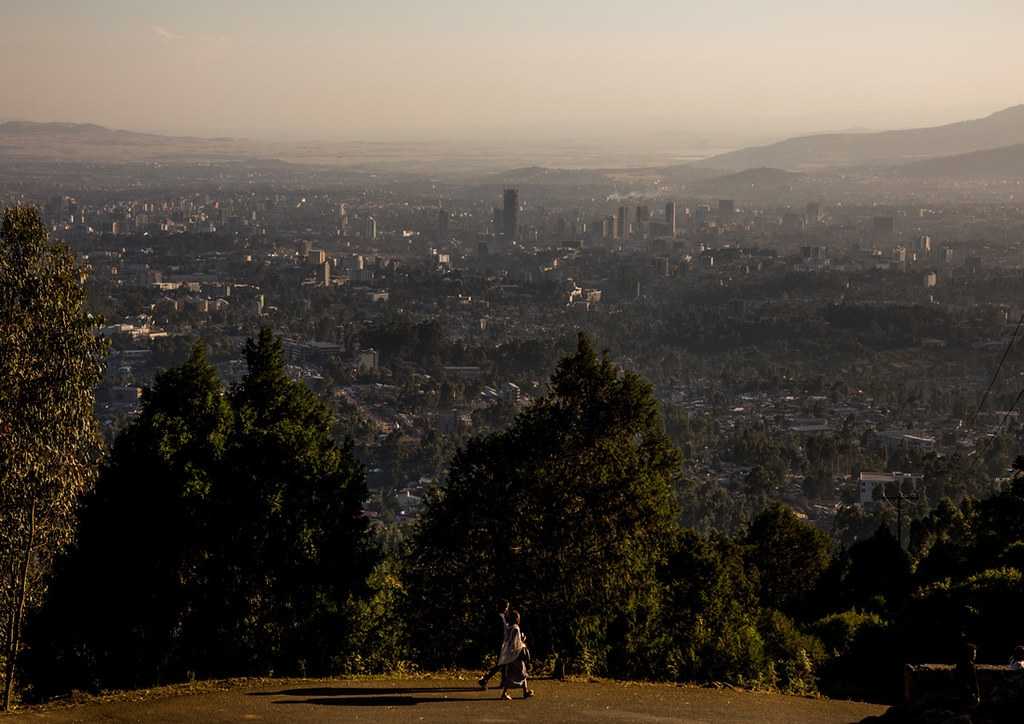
[(672, 75)]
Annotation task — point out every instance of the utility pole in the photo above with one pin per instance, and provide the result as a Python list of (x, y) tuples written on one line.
[(900, 497)]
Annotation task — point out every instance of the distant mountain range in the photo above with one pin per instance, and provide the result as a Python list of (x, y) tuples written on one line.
[(879, 149), (990, 147), (89, 142)]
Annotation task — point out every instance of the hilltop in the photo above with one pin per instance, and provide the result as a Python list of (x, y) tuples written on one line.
[(90, 142), (884, 148)]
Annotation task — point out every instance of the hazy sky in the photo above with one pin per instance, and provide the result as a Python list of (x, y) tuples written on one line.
[(655, 70)]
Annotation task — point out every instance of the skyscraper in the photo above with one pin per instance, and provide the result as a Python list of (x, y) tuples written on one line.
[(370, 228), (670, 217), (622, 223), (642, 221), (510, 215), (442, 225)]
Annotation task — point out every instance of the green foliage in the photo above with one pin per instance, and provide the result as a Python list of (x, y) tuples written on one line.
[(879, 575), (862, 664), (380, 632), (711, 613), (51, 359), (795, 655), (568, 513), (706, 506), (840, 631), (789, 556), (225, 536)]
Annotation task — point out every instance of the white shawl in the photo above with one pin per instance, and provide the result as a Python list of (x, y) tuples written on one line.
[(512, 646)]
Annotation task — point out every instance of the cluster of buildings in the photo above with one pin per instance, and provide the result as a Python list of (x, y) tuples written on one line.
[(334, 271)]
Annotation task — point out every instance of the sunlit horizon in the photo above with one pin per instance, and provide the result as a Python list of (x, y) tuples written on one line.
[(658, 74)]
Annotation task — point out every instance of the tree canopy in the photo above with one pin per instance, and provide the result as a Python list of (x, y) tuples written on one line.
[(51, 359), (568, 511), (225, 536)]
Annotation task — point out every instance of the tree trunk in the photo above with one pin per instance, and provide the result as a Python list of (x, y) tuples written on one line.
[(18, 615)]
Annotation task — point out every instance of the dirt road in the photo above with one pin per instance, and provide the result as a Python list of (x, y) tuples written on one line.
[(452, 701)]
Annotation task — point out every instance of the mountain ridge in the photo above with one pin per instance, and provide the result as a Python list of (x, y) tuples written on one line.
[(880, 148)]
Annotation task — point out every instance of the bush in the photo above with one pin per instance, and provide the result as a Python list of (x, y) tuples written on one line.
[(796, 655), (839, 631), (380, 634), (864, 662)]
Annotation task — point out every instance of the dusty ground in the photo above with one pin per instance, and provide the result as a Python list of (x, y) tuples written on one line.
[(447, 701)]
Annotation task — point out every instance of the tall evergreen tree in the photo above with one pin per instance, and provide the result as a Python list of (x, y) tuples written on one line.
[(289, 524), (143, 553), (568, 513), (51, 359), (789, 556), (225, 536)]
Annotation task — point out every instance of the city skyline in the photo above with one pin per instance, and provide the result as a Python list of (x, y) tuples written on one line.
[(682, 74)]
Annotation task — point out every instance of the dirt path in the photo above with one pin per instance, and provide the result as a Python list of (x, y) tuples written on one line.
[(453, 701)]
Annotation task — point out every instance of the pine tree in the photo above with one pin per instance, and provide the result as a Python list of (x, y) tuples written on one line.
[(567, 513), (291, 521), (143, 553)]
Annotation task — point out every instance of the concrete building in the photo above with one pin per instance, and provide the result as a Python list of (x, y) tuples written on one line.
[(442, 225), (368, 360), (510, 215)]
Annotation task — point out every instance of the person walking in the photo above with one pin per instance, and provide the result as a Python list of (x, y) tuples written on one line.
[(513, 660), (503, 613)]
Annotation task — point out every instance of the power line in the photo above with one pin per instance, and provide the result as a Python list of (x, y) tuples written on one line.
[(999, 367), (981, 449)]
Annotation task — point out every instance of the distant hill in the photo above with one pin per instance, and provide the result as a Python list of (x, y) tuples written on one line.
[(750, 183), (884, 148), (543, 176), (1006, 162), (89, 142)]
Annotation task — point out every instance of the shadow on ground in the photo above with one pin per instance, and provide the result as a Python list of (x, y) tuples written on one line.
[(369, 696), (376, 700)]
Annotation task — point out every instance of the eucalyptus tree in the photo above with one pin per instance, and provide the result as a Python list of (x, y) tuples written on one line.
[(51, 359)]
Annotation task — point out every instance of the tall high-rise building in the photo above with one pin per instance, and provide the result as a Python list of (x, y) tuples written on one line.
[(442, 225), (670, 217), (622, 223), (510, 214), (370, 228), (642, 221), (608, 227), (726, 209)]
